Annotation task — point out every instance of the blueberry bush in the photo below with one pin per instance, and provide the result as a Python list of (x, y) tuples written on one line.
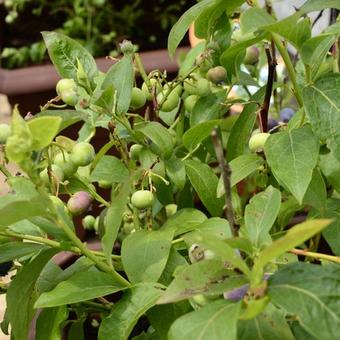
[(220, 224)]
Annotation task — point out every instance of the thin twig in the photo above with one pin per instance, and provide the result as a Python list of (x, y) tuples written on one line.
[(319, 256), (263, 115), (226, 173)]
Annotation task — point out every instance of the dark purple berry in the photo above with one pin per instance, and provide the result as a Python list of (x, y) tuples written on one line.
[(272, 123), (286, 114), (237, 293)]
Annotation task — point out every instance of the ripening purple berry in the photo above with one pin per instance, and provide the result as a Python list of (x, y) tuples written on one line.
[(79, 202)]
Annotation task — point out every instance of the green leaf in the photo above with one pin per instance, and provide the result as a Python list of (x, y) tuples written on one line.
[(79, 287), (208, 108), (219, 248), (318, 5), (15, 250), (145, 254), (254, 19), (64, 53), (110, 169), (241, 167), (270, 324), (184, 220), (176, 172), (330, 168), (216, 226), (292, 28), (162, 316), (21, 292), (43, 130), (120, 78), (17, 210), (215, 321), (68, 117), (292, 156), (208, 277), (232, 57), (241, 131), (195, 135), (316, 194), (161, 139), (308, 290), (49, 323), (260, 215), (205, 182), (322, 104), (19, 143), (332, 232), (182, 25), (126, 312), (113, 219), (294, 237), (76, 331), (314, 51)]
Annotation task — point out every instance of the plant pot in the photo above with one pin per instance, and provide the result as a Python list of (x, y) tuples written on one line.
[(31, 86)]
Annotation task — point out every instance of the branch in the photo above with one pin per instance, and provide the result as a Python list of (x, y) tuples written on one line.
[(290, 68), (263, 115), (319, 256), (226, 172)]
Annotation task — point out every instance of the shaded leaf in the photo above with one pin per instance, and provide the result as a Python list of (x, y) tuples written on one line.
[(260, 215), (215, 321), (21, 292), (65, 53), (208, 277), (126, 312), (205, 182), (79, 287), (309, 291), (145, 254), (43, 130), (292, 156)]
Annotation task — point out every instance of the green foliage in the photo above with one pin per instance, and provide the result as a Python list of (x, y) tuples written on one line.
[(196, 212)]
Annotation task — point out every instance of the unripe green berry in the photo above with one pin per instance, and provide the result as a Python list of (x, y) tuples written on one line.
[(82, 154), (89, 222), (138, 98), (135, 151), (63, 160), (200, 300), (65, 85), (69, 97), (104, 184), (142, 199), (170, 102), (79, 203), (56, 174), (5, 132), (190, 86), (170, 209), (154, 84), (203, 87), (190, 102), (257, 141), (217, 74), (178, 88), (252, 56)]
